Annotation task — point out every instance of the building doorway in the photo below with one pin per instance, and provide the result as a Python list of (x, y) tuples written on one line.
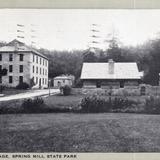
[(59, 84), (40, 83), (121, 84), (98, 84)]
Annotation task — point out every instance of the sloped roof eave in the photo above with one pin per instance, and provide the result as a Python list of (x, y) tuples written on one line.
[(128, 70), (10, 48), (136, 78)]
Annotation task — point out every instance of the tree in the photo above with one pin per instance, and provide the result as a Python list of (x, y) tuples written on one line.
[(114, 51), (89, 56), (3, 72)]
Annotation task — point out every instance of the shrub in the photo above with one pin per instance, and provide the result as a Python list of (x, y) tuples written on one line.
[(78, 83), (95, 104), (122, 103), (33, 105), (2, 88), (66, 90), (22, 86), (32, 83), (152, 105)]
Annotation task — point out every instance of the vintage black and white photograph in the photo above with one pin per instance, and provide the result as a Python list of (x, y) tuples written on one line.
[(79, 80)]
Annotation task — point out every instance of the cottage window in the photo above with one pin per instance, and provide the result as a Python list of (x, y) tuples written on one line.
[(20, 79), (21, 57), (21, 68), (10, 57), (40, 70), (10, 79), (10, 68), (121, 84)]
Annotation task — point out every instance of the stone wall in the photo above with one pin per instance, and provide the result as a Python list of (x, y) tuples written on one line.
[(89, 84), (130, 91), (108, 85), (15, 73), (42, 74), (27, 69)]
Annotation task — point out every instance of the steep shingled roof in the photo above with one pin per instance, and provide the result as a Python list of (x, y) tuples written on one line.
[(100, 71), (22, 47)]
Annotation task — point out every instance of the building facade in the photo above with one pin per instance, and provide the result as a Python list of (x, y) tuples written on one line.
[(111, 74), (23, 64)]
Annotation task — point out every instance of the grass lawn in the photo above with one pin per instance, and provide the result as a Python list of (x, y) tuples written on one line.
[(107, 132), (55, 101), (59, 101)]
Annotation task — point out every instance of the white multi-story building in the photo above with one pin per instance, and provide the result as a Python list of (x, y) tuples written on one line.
[(23, 64)]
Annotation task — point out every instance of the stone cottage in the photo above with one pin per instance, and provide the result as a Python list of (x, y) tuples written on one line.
[(115, 74)]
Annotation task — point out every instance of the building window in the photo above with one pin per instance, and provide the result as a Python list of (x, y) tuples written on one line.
[(36, 80), (40, 70), (43, 61), (21, 68), (0, 57), (10, 68), (10, 79), (21, 57), (36, 59), (33, 69), (33, 57), (20, 79), (40, 60), (37, 70), (43, 80), (43, 71), (10, 57)]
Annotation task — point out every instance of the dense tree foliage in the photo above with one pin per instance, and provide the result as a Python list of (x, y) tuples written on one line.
[(147, 57)]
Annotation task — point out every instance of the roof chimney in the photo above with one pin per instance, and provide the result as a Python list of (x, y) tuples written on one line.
[(111, 66)]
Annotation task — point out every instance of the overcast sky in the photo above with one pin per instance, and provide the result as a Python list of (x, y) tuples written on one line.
[(59, 29)]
